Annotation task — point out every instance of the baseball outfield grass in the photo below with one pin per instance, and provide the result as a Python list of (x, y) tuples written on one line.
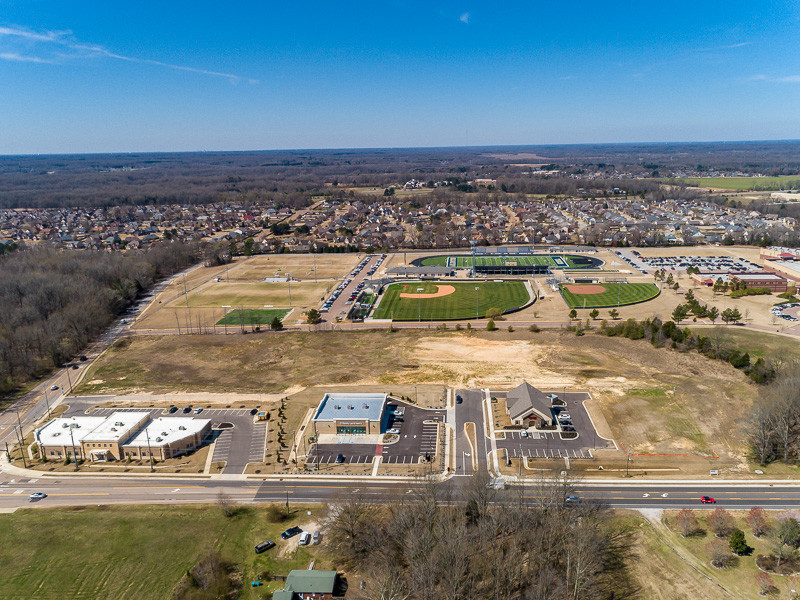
[(608, 294), (463, 261), (465, 302)]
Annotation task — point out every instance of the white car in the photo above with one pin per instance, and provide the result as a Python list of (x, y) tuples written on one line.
[(305, 538), (564, 416), (38, 495), (53, 388), (393, 431), (523, 433)]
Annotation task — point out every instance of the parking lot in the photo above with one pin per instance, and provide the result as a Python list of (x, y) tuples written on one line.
[(417, 438), (553, 444), (236, 446), (650, 264)]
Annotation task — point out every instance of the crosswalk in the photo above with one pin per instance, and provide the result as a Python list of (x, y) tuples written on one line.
[(549, 453)]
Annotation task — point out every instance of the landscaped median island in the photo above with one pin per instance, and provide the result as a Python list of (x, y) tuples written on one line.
[(442, 300)]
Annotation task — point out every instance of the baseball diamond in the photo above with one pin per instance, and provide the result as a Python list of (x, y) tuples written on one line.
[(425, 301)]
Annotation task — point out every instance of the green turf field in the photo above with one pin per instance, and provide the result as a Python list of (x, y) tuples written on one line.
[(616, 294), (464, 261), (253, 316), (766, 184), (464, 303)]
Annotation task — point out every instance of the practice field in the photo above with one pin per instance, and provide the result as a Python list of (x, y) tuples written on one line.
[(433, 301), (249, 295), (253, 316), (556, 261), (606, 295), (301, 266)]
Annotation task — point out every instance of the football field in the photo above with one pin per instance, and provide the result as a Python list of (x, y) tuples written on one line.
[(439, 300), (464, 261), (607, 295)]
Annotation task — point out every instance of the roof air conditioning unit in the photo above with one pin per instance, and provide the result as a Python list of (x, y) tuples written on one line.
[(182, 428)]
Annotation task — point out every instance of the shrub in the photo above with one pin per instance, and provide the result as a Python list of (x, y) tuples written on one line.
[(494, 313), (686, 522), (510, 328), (721, 522), (490, 326), (737, 542), (765, 583), (534, 328), (757, 521), (721, 556)]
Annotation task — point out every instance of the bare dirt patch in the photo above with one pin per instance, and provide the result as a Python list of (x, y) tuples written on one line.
[(441, 290), (585, 289)]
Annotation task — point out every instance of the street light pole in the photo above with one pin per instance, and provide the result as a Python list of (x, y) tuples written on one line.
[(149, 450), (47, 403), (74, 455)]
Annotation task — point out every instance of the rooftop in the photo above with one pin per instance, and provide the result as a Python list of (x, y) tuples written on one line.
[(524, 398), (351, 406), (117, 427), (57, 431), (167, 430)]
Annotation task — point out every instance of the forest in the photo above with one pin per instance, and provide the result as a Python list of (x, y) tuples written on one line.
[(290, 178), (54, 302), (537, 543)]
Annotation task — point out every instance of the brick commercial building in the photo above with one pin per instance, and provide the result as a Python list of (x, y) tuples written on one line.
[(790, 269), (350, 414), (776, 283), (120, 435)]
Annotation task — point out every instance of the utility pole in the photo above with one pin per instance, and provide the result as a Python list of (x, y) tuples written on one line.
[(21, 443), (69, 380), (149, 450), (627, 463), (74, 455), (289, 283), (47, 403), (315, 267)]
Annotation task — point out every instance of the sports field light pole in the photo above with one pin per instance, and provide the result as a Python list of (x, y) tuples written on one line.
[(419, 304), (477, 301), (225, 317)]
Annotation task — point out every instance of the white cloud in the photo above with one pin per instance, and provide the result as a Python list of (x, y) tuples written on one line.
[(782, 79), (15, 57), (58, 47), (464, 18)]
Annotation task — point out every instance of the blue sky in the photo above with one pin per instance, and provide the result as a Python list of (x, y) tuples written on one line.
[(86, 76)]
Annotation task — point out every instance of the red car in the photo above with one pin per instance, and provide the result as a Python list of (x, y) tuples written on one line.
[(707, 500)]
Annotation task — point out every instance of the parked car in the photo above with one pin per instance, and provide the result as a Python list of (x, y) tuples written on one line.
[(340, 459), (707, 500), (564, 416), (173, 409), (82, 358), (187, 410), (291, 532), (38, 496), (459, 399), (393, 431), (305, 538), (254, 411), (264, 546), (198, 410), (523, 433), (315, 538)]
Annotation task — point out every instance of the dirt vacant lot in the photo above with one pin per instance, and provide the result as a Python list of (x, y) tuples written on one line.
[(653, 400)]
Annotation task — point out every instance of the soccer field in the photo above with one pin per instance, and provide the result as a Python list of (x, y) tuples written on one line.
[(253, 316), (607, 295), (464, 261), (461, 301)]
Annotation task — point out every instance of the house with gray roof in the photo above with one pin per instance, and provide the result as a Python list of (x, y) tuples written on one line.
[(525, 403)]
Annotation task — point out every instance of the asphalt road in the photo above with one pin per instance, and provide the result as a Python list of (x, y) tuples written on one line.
[(70, 491), (470, 411)]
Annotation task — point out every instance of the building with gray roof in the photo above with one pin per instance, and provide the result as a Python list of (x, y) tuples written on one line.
[(350, 414), (526, 403)]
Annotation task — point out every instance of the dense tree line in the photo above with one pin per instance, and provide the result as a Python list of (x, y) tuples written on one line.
[(668, 334), (53, 302), (774, 423), (481, 544), (291, 178)]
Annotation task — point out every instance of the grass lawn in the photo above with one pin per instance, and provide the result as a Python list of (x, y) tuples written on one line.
[(135, 552), (461, 304), (253, 316), (742, 184), (464, 261), (251, 294), (616, 294)]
